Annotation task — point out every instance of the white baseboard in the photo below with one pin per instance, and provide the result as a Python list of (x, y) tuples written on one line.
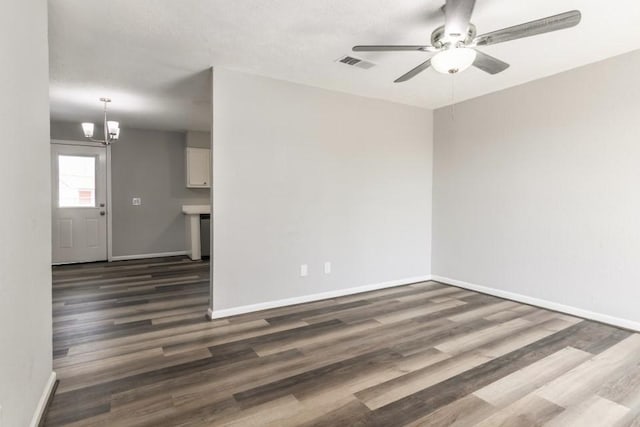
[(217, 314), (143, 256), (44, 398), (550, 305)]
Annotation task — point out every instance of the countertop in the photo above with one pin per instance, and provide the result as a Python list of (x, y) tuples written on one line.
[(196, 209)]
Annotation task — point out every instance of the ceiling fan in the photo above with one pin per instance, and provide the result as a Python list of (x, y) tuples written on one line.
[(454, 44)]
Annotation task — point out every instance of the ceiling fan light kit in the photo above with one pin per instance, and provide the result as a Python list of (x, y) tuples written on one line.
[(455, 44), (453, 60)]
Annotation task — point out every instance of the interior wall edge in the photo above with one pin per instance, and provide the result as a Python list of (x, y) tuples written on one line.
[(542, 303)]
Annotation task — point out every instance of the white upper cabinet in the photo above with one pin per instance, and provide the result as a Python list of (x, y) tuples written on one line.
[(198, 167)]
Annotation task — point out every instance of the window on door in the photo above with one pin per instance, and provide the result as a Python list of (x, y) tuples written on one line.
[(76, 181)]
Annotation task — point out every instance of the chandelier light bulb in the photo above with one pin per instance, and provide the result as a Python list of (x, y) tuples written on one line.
[(113, 127), (87, 128)]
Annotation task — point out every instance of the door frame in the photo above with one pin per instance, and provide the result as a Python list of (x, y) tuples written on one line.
[(108, 172)]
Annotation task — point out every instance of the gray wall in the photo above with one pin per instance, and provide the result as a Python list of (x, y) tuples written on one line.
[(536, 189), (303, 176), (150, 165), (25, 219), (198, 139)]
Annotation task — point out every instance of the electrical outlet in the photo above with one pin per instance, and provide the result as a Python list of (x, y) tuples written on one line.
[(327, 267), (136, 201), (304, 270)]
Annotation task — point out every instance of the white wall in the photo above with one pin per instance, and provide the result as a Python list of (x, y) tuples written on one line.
[(303, 176), (25, 216), (537, 189)]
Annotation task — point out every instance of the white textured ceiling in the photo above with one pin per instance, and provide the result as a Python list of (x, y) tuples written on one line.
[(152, 56)]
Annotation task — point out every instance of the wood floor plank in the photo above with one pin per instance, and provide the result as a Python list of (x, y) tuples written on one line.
[(594, 411), (396, 389), (505, 344), (483, 336), (465, 411), (396, 316), (524, 381), (528, 411), (261, 414), (586, 378), (623, 389), (309, 338)]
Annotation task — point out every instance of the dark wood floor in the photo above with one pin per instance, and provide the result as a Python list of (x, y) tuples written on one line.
[(132, 347)]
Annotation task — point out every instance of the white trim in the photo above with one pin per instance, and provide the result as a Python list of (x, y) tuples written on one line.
[(143, 256), (217, 314), (212, 224), (77, 262), (550, 305), (44, 398), (76, 142), (109, 210)]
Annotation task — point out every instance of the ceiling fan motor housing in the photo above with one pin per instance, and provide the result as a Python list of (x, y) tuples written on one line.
[(438, 37)]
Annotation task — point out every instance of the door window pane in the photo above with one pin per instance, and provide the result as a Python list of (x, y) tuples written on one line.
[(76, 181)]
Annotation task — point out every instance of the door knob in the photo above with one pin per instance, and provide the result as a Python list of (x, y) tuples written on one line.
[(102, 205), (102, 213)]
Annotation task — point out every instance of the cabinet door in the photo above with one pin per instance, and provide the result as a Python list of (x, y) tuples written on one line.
[(198, 167)]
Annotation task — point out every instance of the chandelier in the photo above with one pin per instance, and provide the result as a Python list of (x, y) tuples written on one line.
[(111, 128)]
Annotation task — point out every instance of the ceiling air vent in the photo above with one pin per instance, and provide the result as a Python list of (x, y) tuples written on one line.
[(355, 62)]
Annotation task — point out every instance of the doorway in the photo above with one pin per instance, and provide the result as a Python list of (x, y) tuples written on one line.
[(79, 203)]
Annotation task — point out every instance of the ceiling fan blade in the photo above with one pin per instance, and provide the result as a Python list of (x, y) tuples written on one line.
[(539, 26), (411, 74), (489, 64), (457, 17), (397, 48)]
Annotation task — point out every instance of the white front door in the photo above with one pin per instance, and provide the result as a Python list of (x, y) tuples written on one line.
[(79, 197)]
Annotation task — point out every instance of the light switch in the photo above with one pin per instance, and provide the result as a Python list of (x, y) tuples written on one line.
[(304, 270), (136, 201)]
